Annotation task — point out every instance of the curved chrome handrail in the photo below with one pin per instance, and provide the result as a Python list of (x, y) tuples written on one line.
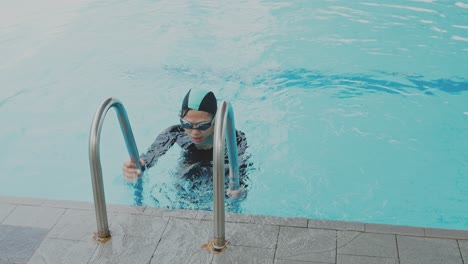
[(95, 160), (224, 123)]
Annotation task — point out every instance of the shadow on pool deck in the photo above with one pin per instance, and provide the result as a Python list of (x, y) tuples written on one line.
[(53, 231)]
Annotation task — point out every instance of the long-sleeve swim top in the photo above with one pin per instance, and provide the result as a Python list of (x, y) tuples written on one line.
[(191, 154)]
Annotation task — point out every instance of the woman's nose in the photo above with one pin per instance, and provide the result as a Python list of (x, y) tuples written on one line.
[(195, 131)]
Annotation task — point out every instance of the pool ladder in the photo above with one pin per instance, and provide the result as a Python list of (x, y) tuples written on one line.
[(224, 123)]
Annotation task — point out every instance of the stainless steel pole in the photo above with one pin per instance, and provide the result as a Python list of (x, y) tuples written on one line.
[(95, 160), (218, 178), (224, 121), (232, 150)]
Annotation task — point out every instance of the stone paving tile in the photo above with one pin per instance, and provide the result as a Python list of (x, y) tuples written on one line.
[(238, 218), (237, 254), (229, 217), (20, 200), (111, 208), (5, 210), (182, 241), (136, 232), (137, 225), (206, 215), (425, 250), (446, 233), (190, 214), (251, 235), (335, 225), (282, 221), (4, 260), (75, 225), (18, 243), (349, 259), (367, 244), (125, 249), (282, 261), (391, 229), (116, 208), (464, 249), (69, 204), (34, 216), (306, 244), (64, 251)]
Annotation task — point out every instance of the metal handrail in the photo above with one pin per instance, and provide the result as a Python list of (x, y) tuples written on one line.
[(224, 123), (95, 160)]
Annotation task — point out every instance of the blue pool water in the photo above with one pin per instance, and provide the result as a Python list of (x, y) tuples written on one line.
[(353, 110)]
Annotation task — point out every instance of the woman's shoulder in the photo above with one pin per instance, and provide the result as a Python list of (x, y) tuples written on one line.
[(174, 129), (172, 132)]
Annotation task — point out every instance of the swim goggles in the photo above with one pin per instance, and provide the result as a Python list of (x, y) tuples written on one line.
[(199, 126)]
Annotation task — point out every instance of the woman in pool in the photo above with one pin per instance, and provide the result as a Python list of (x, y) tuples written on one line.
[(194, 135)]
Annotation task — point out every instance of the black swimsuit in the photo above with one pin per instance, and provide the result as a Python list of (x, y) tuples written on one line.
[(193, 159), (194, 183)]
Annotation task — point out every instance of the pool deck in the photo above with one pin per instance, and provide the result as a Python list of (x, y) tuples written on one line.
[(53, 231)]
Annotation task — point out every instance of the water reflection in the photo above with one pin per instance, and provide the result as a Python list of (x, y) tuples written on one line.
[(359, 84), (356, 84), (179, 191)]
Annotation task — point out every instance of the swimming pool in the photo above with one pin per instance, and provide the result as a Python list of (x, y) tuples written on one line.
[(353, 110)]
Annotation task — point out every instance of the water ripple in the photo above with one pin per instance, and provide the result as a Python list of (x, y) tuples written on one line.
[(459, 38), (462, 5), (9, 98), (349, 85), (418, 9), (358, 84)]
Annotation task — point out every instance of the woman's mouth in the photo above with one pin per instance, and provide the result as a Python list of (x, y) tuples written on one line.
[(197, 139)]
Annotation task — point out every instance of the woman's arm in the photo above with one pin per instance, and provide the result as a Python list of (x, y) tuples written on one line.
[(163, 142)]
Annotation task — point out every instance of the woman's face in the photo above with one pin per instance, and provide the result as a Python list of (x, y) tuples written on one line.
[(195, 117)]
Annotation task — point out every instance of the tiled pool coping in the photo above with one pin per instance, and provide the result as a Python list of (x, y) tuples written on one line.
[(54, 231)]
